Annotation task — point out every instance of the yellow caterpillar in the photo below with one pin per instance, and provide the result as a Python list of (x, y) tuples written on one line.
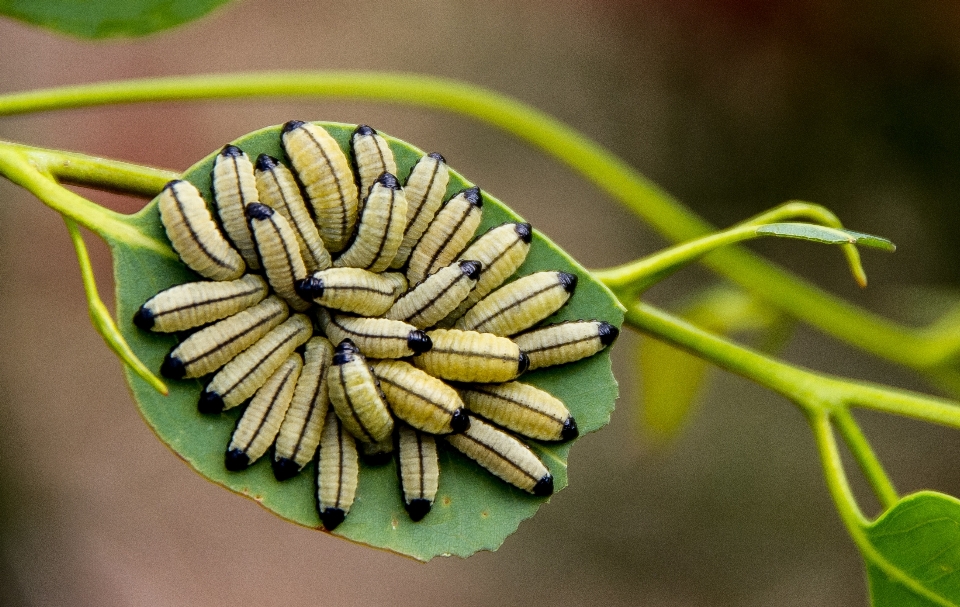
[(447, 235), (194, 235), (260, 422), (302, 426), (325, 173), (194, 304), (469, 356), (424, 190), (504, 456), (356, 397), (212, 347), (234, 187), (421, 400), (520, 304)]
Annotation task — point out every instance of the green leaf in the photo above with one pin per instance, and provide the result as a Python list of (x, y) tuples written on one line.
[(917, 552), (673, 379), (824, 234), (107, 18), (869, 240), (474, 510)]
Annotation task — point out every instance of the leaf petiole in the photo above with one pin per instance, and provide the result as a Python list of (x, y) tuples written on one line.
[(866, 458), (19, 167), (851, 515), (100, 315), (96, 172)]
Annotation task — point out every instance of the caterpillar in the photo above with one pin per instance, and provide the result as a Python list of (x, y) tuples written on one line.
[(335, 238)]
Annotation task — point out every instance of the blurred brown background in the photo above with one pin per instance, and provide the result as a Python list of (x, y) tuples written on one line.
[(732, 105)]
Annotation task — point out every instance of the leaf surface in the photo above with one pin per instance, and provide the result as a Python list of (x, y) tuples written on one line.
[(918, 553), (473, 510), (825, 235), (107, 18)]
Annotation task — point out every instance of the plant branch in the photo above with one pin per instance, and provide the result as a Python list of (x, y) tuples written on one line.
[(900, 402), (100, 315), (785, 379), (836, 476), (632, 279), (17, 166), (913, 348), (813, 392), (95, 172), (866, 458), (853, 519)]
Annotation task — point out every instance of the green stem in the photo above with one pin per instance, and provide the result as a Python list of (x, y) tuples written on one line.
[(873, 333), (900, 402), (792, 382), (816, 394), (92, 171), (630, 280), (853, 519), (836, 476), (866, 458), (100, 315), (17, 166)]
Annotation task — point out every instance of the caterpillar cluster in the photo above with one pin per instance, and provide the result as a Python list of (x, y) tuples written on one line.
[(352, 317)]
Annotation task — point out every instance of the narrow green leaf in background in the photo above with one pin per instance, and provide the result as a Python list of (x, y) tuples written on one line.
[(672, 379), (826, 235), (920, 538), (473, 511), (107, 18)]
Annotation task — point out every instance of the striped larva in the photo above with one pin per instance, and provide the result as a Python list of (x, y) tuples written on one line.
[(338, 471), (522, 408), (380, 228), (435, 297), (501, 250), (279, 251), (425, 188), (194, 304), (520, 304), (300, 432), (504, 456), (260, 422), (325, 173), (447, 235), (478, 360), (375, 337), (244, 375), (195, 236), (420, 399), (565, 342), (352, 290), (279, 190), (372, 157), (419, 470), (469, 356), (234, 187), (355, 396), (212, 347)]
